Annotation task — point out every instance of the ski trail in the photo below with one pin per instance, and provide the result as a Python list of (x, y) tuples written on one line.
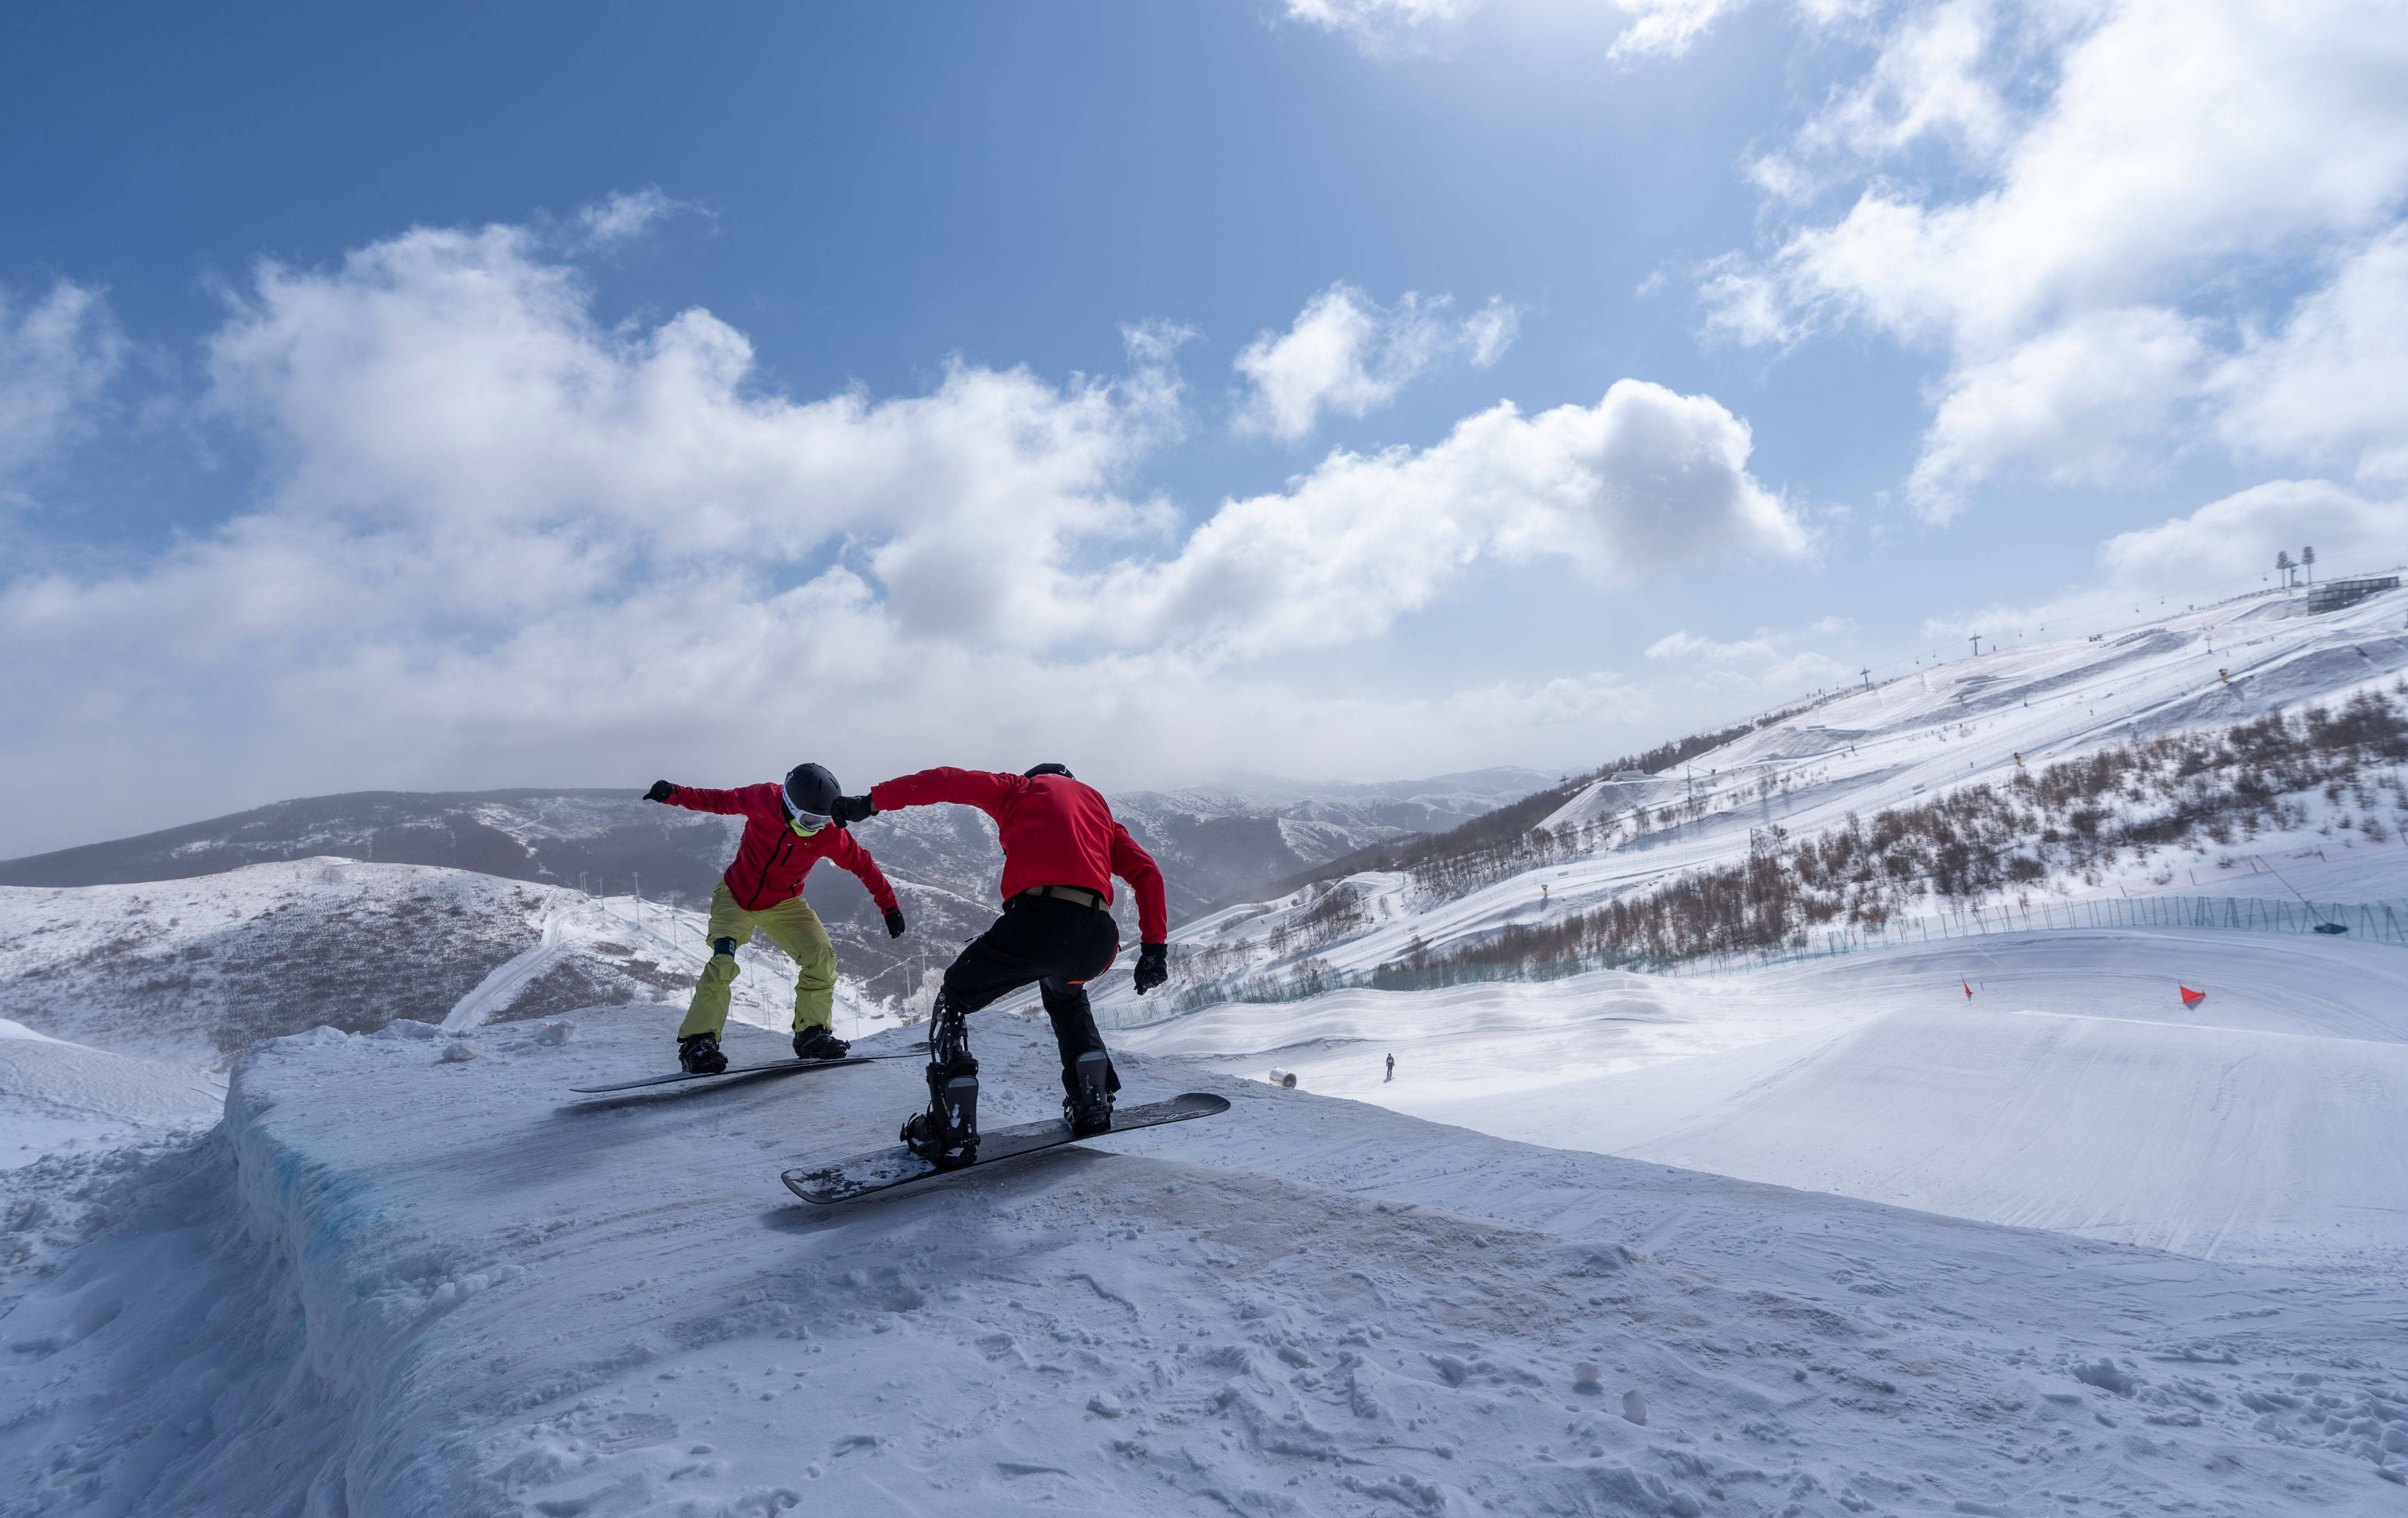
[(502, 984)]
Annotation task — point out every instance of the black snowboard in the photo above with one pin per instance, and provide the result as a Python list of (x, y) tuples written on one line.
[(896, 1166), (915, 1052)]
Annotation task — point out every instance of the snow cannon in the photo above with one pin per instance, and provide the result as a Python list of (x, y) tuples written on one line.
[(1284, 1079)]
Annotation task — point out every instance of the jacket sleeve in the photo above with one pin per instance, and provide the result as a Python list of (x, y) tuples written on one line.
[(849, 855), (698, 799), (979, 788), (1137, 867)]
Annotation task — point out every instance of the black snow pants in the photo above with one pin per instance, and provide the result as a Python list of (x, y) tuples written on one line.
[(1059, 944)]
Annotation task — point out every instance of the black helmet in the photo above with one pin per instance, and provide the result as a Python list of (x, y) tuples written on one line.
[(810, 788), (1063, 770)]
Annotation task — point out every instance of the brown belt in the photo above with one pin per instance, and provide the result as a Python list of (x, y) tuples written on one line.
[(1079, 894)]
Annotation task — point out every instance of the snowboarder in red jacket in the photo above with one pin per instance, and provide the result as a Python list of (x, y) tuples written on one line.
[(787, 829), (1061, 849)]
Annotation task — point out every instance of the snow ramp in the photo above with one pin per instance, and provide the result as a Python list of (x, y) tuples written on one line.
[(397, 1281)]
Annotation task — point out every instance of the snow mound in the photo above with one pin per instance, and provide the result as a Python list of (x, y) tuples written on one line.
[(424, 1286)]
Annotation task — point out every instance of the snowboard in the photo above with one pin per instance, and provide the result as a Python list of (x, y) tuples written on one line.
[(915, 1052), (896, 1165)]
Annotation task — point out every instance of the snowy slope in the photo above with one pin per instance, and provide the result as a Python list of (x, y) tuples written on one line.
[(194, 971), (58, 1097), (2073, 1092), (398, 1284), (1904, 742)]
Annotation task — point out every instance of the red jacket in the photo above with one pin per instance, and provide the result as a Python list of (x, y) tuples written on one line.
[(773, 858), (1056, 832)]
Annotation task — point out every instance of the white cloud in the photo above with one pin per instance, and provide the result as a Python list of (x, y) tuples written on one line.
[(1383, 26), (2331, 388), (2139, 162), (1658, 28), (1665, 28), (502, 539), (624, 216), (2228, 544), (2224, 549), (1344, 354), (56, 356), (1644, 479), (1770, 664), (2088, 402)]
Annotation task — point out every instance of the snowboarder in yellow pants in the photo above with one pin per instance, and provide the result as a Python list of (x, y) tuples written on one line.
[(787, 829), (791, 926)]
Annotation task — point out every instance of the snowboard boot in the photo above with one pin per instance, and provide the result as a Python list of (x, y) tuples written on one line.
[(819, 1042), (946, 1135), (698, 1054), (1088, 1108)]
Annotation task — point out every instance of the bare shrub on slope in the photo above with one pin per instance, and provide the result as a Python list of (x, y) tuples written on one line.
[(2078, 817)]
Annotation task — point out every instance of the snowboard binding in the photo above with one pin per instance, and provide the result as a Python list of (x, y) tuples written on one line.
[(946, 1135), (1088, 1108)]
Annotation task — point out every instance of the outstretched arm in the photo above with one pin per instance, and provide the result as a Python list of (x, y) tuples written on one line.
[(696, 798), (1137, 867), (980, 788)]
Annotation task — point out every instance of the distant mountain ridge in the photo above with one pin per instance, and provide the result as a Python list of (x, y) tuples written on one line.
[(1213, 843)]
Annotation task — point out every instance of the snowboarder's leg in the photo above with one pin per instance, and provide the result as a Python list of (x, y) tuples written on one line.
[(1089, 940), (947, 1132), (1074, 1030), (730, 925), (996, 962), (791, 926)]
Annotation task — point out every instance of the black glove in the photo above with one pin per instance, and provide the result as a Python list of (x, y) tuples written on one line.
[(660, 791), (895, 924), (852, 808), (1153, 966)]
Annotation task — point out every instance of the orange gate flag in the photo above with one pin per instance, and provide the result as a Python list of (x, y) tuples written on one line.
[(2190, 997), (1969, 990)]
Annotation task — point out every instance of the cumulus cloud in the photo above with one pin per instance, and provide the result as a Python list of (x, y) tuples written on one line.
[(2139, 165), (56, 355), (1345, 354), (501, 537)]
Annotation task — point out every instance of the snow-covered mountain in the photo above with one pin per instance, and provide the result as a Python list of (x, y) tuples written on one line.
[(1215, 843), (1900, 749), (196, 970)]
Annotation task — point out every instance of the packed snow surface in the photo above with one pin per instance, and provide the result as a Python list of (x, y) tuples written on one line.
[(2073, 1090), (398, 1282)]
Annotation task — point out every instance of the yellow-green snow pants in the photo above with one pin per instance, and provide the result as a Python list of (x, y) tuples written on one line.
[(791, 926)]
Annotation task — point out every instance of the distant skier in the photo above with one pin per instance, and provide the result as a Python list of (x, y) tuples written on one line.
[(1392, 1070), (1061, 849), (787, 829)]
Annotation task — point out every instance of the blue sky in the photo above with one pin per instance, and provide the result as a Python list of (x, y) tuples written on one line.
[(498, 395)]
